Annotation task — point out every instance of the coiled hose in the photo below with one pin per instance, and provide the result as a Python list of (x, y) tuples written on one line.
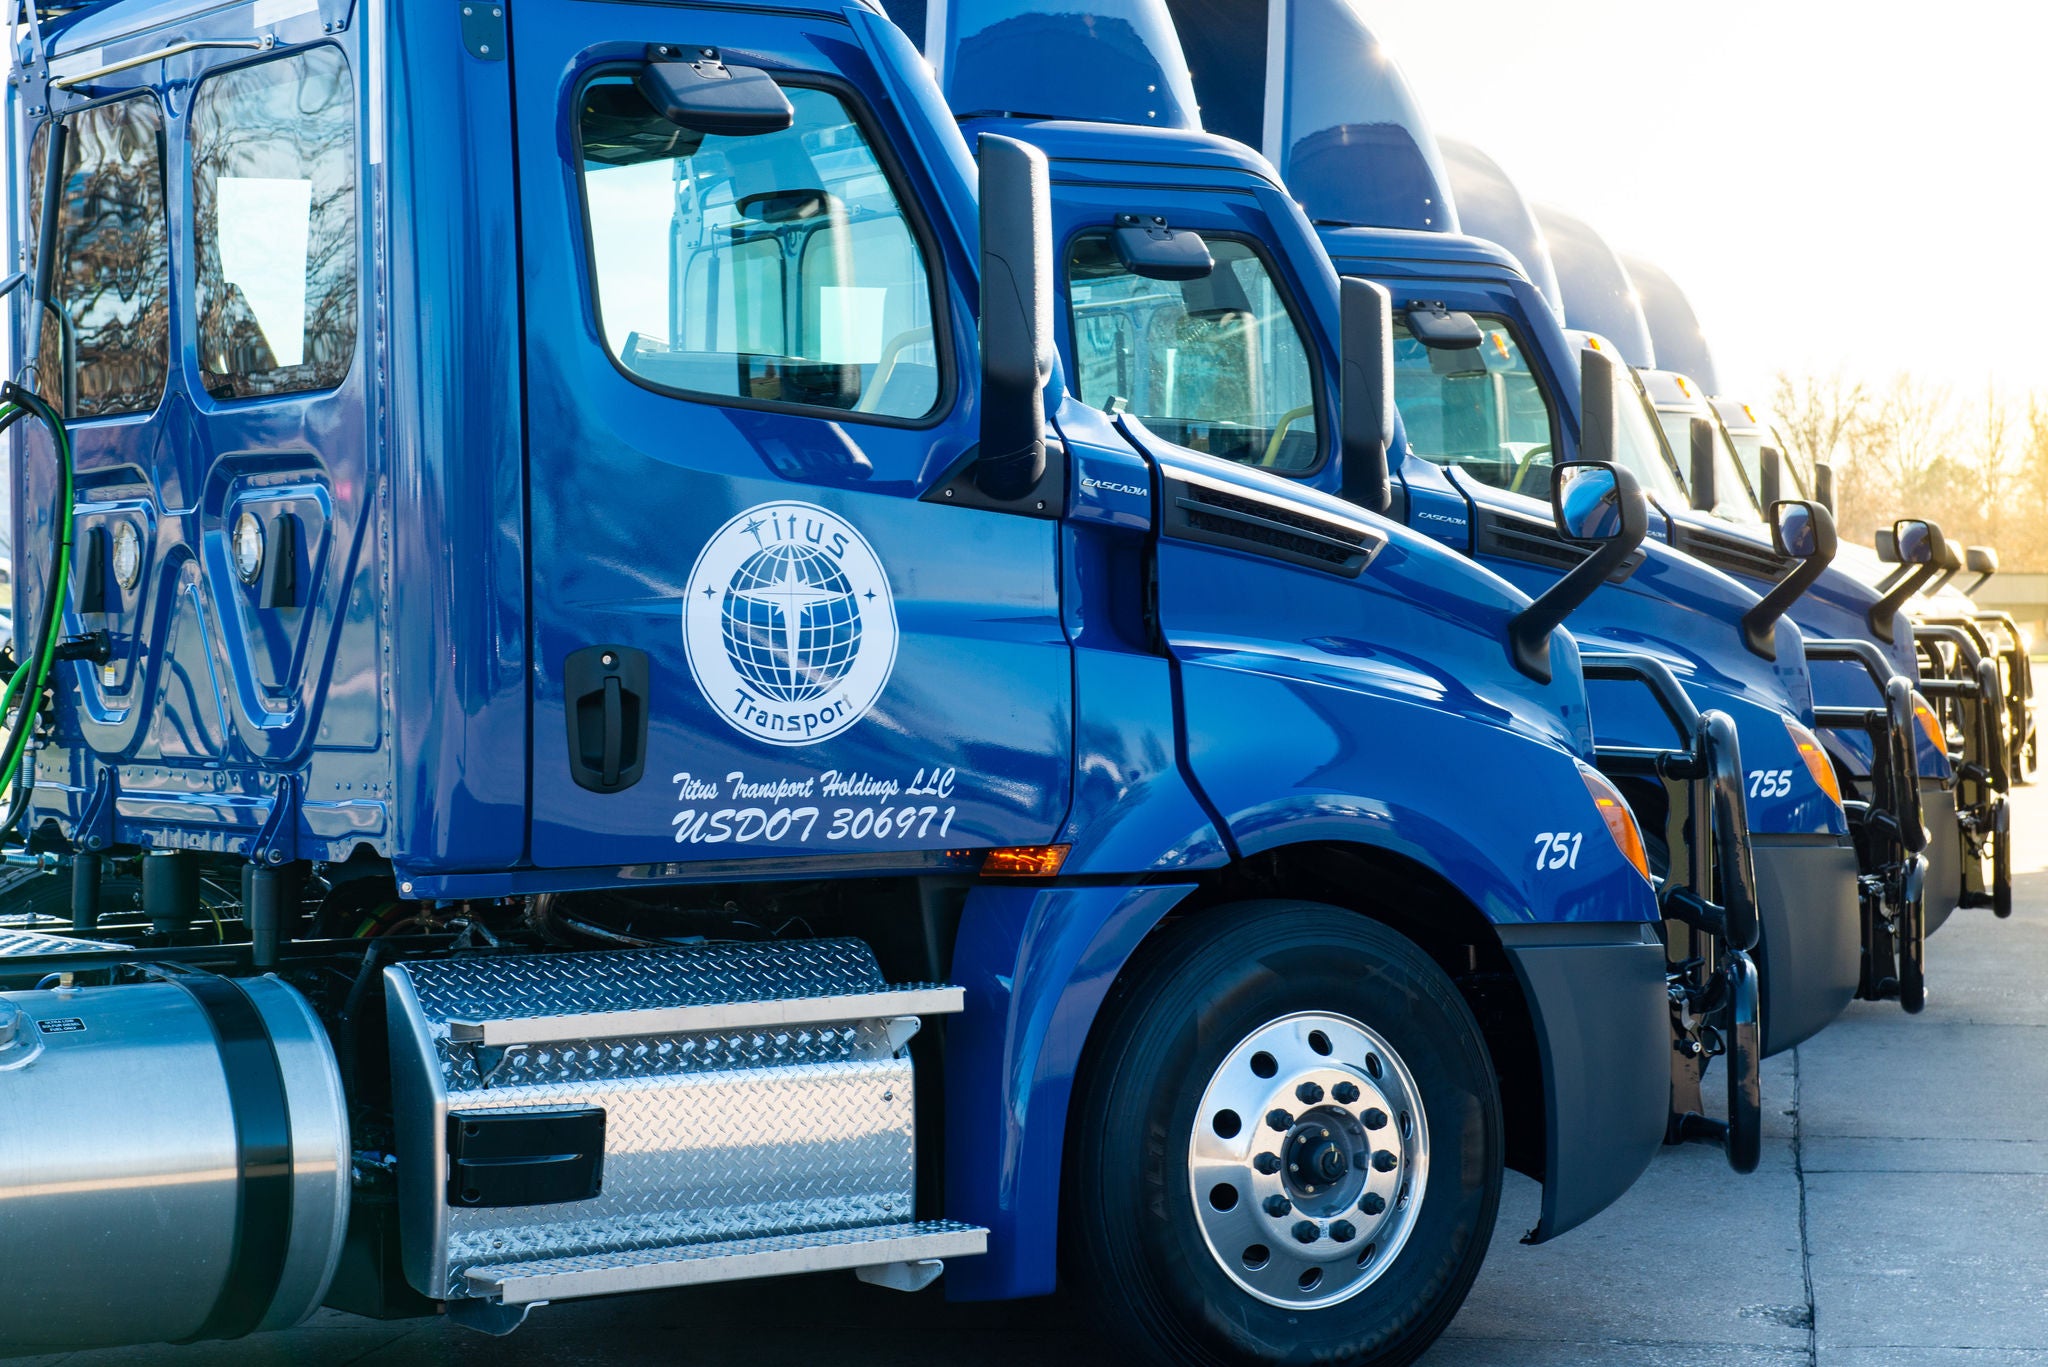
[(22, 698)]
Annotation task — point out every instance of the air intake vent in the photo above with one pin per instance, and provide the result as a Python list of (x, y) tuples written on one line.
[(1245, 520), (1731, 554), (1536, 542)]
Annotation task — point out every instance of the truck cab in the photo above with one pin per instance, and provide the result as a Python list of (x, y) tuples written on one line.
[(1484, 422), (613, 716)]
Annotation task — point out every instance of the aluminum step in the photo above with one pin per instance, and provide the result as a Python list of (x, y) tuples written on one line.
[(652, 1269), (936, 999)]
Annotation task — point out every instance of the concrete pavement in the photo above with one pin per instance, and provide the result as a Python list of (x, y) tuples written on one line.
[(1899, 1219)]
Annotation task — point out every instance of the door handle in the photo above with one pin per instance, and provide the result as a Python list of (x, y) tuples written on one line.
[(605, 702)]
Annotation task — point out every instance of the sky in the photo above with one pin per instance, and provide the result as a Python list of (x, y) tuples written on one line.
[(1832, 183)]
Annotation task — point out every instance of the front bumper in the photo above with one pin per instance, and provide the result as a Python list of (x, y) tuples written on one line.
[(1944, 852), (1603, 1028), (1810, 955)]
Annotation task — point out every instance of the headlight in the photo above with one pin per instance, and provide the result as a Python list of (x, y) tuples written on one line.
[(248, 548)]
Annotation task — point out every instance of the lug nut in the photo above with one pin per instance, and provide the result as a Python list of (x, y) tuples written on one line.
[(1280, 1120), (1345, 1092), (1277, 1206), (1343, 1232), (1375, 1119), (1372, 1203), (1268, 1163), (1308, 1093), (1305, 1232), (1384, 1161)]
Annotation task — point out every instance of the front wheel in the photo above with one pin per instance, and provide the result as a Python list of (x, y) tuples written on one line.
[(1287, 1147)]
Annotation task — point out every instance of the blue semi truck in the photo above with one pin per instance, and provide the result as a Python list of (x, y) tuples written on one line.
[(601, 710), (1966, 685), (1483, 356), (1309, 84)]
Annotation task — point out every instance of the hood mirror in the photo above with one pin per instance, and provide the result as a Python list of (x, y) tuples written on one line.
[(1981, 561), (1149, 248), (693, 89), (1916, 542), (1592, 502), (1804, 531), (1922, 554)]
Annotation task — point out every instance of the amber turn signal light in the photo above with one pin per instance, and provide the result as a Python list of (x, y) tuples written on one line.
[(1024, 861)]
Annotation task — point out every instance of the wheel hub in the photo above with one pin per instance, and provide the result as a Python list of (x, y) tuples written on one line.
[(1308, 1160)]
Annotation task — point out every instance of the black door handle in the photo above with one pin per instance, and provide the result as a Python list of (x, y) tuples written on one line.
[(606, 707)]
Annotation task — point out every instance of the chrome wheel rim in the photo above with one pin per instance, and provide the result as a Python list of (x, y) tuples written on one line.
[(1309, 1160)]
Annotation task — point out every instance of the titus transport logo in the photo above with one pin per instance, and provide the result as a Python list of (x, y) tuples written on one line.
[(789, 624)]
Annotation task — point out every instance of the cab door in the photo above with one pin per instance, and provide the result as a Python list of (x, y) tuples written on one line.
[(760, 626)]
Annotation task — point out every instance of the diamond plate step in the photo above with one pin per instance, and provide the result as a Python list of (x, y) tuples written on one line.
[(609, 1274), (922, 1000)]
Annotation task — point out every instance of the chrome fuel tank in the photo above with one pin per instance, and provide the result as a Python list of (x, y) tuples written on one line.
[(174, 1162)]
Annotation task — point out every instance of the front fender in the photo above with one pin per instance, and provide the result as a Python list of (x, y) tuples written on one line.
[(1480, 805), (1036, 964)]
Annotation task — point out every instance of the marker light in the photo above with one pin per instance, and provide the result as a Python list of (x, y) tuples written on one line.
[(1621, 822), (127, 555), (1816, 758), (1025, 861), (1683, 387), (1930, 725), (1749, 413), (247, 548)]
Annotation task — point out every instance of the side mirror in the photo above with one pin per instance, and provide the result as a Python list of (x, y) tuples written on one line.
[(693, 89), (1016, 315), (1887, 543), (1592, 501), (1770, 476), (1149, 248), (1366, 391), (1921, 552), (1806, 532), (1597, 378), (1703, 499), (1824, 485)]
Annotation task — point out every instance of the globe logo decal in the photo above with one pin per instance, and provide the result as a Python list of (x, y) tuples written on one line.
[(789, 623), (792, 626)]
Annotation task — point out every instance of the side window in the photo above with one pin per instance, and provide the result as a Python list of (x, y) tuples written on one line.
[(1217, 365), (1479, 409), (109, 351), (274, 201), (778, 268)]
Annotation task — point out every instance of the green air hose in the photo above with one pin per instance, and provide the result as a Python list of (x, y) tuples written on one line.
[(24, 699)]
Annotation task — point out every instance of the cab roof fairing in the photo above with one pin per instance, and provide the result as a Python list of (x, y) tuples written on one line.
[(1599, 296), (1491, 205)]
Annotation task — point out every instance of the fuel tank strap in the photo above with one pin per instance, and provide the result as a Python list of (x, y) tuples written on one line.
[(263, 1155)]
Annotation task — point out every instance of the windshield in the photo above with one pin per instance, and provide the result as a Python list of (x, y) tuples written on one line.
[(1733, 501), (1749, 447), (1217, 364), (1638, 448), (1479, 409)]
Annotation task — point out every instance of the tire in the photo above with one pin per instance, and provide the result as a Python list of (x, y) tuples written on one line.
[(1322, 997)]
